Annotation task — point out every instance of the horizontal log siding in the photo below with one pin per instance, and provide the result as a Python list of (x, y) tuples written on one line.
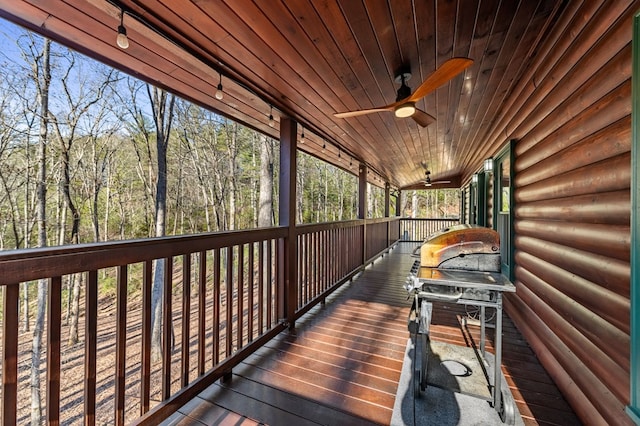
[(572, 213)]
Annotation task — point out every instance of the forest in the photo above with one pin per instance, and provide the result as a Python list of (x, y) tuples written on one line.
[(98, 168), (89, 154)]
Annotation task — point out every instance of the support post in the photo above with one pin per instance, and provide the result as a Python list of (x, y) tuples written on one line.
[(362, 207), (387, 200), (387, 209), (287, 217)]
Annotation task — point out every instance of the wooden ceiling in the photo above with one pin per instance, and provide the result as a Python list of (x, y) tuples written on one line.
[(309, 59)]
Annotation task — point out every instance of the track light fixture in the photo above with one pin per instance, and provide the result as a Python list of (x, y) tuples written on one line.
[(121, 39), (271, 120), (219, 93)]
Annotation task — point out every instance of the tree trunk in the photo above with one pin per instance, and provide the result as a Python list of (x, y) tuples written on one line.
[(162, 104), (265, 199), (44, 70), (414, 204), (232, 147), (77, 280)]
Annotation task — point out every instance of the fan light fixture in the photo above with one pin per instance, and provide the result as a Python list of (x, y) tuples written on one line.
[(407, 109), (405, 104), (121, 39), (219, 93)]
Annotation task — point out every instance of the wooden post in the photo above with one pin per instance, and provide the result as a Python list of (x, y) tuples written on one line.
[(362, 192), (387, 200), (398, 203), (362, 207), (287, 217), (387, 210)]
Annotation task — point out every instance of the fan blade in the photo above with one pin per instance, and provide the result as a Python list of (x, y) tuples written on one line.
[(440, 76), (364, 111), (441, 182), (422, 118)]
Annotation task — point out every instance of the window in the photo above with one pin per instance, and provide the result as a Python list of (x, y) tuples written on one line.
[(503, 212)]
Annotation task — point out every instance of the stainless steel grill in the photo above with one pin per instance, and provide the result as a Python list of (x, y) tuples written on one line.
[(461, 264)]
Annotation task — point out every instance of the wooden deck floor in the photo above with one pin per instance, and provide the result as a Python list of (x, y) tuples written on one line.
[(342, 364)]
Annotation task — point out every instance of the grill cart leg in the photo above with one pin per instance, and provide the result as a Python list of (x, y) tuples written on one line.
[(418, 324), (426, 309)]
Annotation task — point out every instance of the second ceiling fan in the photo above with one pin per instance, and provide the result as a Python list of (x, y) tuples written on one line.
[(428, 182), (405, 104)]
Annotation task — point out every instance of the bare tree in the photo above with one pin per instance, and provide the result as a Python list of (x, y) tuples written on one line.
[(265, 199), (162, 104), (38, 55), (79, 94), (231, 132)]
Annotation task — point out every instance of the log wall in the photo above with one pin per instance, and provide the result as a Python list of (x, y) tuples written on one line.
[(570, 114)]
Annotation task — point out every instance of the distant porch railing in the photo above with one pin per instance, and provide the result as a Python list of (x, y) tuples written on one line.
[(224, 296), (419, 229)]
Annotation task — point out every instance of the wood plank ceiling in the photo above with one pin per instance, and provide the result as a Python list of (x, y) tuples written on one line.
[(309, 59)]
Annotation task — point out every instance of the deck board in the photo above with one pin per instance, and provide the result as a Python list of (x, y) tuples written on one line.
[(342, 363)]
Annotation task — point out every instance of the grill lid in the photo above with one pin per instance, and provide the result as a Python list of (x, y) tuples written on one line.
[(465, 247)]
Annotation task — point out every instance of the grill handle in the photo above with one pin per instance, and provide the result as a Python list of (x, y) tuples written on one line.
[(443, 297)]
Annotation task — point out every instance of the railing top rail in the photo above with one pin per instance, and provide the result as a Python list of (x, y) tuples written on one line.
[(315, 227), (430, 219), (308, 228), (382, 219), (32, 264)]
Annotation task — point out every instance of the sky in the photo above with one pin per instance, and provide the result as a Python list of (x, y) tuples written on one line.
[(9, 32)]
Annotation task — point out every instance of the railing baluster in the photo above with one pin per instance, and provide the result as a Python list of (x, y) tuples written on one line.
[(167, 344), (145, 367), (229, 304), (325, 263), (186, 317), (90, 345), (10, 354), (261, 271), (216, 306), (250, 296), (316, 262), (121, 343), (269, 282), (202, 306), (240, 296), (304, 261), (53, 351)]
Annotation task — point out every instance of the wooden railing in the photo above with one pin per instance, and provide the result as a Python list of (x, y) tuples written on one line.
[(379, 233), (420, 229), (223, 296), (327, 254)]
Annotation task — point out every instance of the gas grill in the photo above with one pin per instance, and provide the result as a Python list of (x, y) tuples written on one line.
[(461, 264)]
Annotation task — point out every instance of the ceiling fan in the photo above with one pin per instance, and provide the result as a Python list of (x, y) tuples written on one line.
[(428, 182), (405, 104)]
